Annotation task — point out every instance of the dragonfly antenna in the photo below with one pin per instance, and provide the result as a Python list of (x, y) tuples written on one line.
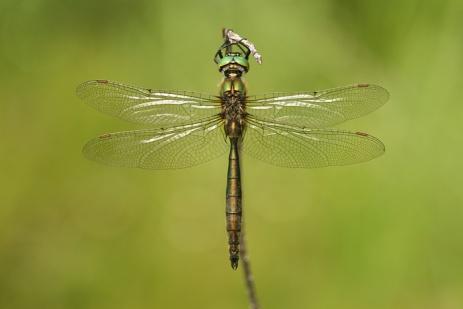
[(234, 37)]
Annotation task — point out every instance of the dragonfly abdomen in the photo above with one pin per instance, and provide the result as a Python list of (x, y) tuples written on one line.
[(233, 205)]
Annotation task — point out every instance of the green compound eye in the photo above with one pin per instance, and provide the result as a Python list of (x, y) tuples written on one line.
[(235, 59), (242, 62)]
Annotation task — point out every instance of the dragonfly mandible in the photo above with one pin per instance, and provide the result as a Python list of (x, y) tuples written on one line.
[(187, 128)]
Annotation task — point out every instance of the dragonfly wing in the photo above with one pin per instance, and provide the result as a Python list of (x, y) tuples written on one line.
[(159, 108), (288, 146), (318, 109), (177, 147)]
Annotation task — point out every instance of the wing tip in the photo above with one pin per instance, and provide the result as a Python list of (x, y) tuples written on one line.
[(381, 148), (385, 93), (80, 89), (91, 151)]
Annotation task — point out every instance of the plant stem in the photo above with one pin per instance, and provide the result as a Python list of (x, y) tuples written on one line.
[(248, 277)]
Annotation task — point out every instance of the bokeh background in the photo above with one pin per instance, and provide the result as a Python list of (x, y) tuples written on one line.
[(383, 234)]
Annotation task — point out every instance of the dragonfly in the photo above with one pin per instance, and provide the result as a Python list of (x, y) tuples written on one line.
[(187, 129)]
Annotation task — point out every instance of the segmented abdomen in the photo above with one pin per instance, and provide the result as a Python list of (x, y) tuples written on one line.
[(233, 205)]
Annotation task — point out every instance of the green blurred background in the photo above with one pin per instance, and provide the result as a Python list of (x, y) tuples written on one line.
[(383, 234)]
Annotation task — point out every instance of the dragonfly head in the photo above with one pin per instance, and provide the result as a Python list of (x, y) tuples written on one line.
[(232, 58), (233, 63)]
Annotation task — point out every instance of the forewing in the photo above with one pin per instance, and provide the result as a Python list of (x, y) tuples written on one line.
[(159, 149), (308, 148), (318, 109), (159, 108)]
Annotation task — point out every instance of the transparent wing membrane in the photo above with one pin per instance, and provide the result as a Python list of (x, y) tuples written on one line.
[(317, 109), (284, 129), (288, 146), (159, 108), (177, 147)]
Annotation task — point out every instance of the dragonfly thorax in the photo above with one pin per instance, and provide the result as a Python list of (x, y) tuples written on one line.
[(232, 85), (233, 96)]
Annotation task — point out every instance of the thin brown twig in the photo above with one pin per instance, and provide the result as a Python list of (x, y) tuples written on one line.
[(248, 277)]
